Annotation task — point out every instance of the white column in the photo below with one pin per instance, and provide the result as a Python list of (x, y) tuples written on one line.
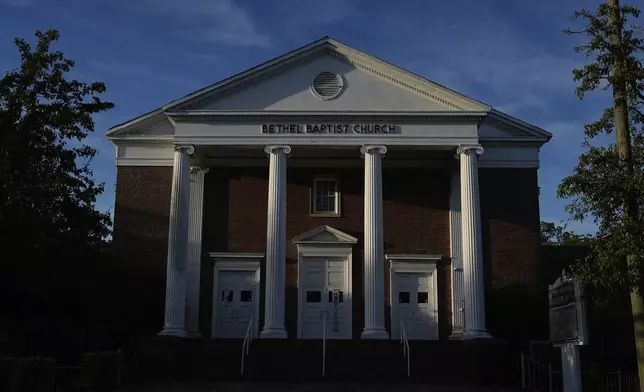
[(195, 219), (276, 244), (472, 244), (571, 369), (456, 254), (175, 292), (374, 253)]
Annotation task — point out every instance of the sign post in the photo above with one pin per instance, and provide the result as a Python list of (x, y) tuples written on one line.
[(568, 329)]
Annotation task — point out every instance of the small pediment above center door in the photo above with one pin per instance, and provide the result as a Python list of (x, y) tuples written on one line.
[(325, 235)]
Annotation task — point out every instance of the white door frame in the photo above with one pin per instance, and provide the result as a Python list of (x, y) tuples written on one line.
[(325, 241), (412, 263), (236, 262), (344, 253)]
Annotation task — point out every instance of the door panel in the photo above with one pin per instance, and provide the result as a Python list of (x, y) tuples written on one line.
[(414, 305), (324, 295), (236, 305)]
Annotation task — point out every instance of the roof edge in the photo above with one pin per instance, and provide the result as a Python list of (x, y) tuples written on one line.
[(204, 90), (496, 114)]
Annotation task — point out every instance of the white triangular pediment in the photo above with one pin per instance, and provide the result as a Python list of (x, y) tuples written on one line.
[(283, 85), (290, 90), (325, 235)]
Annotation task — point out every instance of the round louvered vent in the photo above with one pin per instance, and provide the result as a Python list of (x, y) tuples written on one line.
[(327, 85)]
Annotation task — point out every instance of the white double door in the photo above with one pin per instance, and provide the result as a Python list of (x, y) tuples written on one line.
[(324, 295), (235, 303), (413, 303)]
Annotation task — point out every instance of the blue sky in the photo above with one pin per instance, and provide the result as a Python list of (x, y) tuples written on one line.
[(507, 53)]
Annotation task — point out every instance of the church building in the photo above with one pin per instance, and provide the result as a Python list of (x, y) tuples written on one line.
[(326, 193)]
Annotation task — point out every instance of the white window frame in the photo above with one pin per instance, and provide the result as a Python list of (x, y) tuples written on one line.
[(337, 212)]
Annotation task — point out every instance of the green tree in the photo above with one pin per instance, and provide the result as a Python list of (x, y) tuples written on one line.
[(47, 189), (608, 184), (553, 234)]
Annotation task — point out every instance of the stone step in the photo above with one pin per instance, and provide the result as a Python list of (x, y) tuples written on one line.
[(436, 362)]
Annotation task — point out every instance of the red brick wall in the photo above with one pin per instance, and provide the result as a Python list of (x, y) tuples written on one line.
[(511, 248), (416, 203), (140, 239), (415, 220)]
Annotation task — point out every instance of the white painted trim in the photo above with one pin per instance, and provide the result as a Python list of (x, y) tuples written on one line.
[(337, 210), (343, 238), (464, 116), (236, 262), (412, 263), (144, 161), (413, 257), (347, 140), (341, 250)]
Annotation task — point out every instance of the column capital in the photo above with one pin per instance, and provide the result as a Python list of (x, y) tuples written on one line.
[(463, 149), (185, 148), (373, 150), (195, 169), (277, 148)]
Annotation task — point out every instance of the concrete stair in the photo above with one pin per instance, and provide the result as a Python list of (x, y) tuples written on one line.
[(379, 361)]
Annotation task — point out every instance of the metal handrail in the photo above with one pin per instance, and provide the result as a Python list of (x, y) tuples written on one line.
[(405, 343), (538, 377), (323, 345), (248, 339), (535, 376)]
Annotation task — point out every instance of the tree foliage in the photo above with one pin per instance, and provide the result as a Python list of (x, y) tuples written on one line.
[(553, 234), (47, 188), (603, 182)]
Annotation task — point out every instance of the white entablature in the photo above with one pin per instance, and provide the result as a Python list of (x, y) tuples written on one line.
[(369, 91)]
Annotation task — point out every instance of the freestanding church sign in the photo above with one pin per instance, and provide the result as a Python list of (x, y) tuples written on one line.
[(567, 312), (568, 328)]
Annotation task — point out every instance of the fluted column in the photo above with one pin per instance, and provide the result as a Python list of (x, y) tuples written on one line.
[(472, 245), (195, 220), (374, 268), (456, 253), (175, 292), (276, 244)]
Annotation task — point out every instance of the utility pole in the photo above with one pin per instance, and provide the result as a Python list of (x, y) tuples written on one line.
[(622, 134)]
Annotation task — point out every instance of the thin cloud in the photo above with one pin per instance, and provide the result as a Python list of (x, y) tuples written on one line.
[(214, 21), (139, 71), (486, 57)]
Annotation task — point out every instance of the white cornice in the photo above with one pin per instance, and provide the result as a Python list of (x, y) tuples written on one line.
[(203, 116), (513, 125), (142, 140), (144, 162), (414, 257)]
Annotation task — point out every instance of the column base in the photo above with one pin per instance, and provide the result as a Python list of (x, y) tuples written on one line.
[(194, 334), (471, 335), (176, 332), (456, 335), (375, 333), (273, 333)]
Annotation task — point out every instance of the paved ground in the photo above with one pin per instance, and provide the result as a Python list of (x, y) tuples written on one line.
[(308, 387)]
